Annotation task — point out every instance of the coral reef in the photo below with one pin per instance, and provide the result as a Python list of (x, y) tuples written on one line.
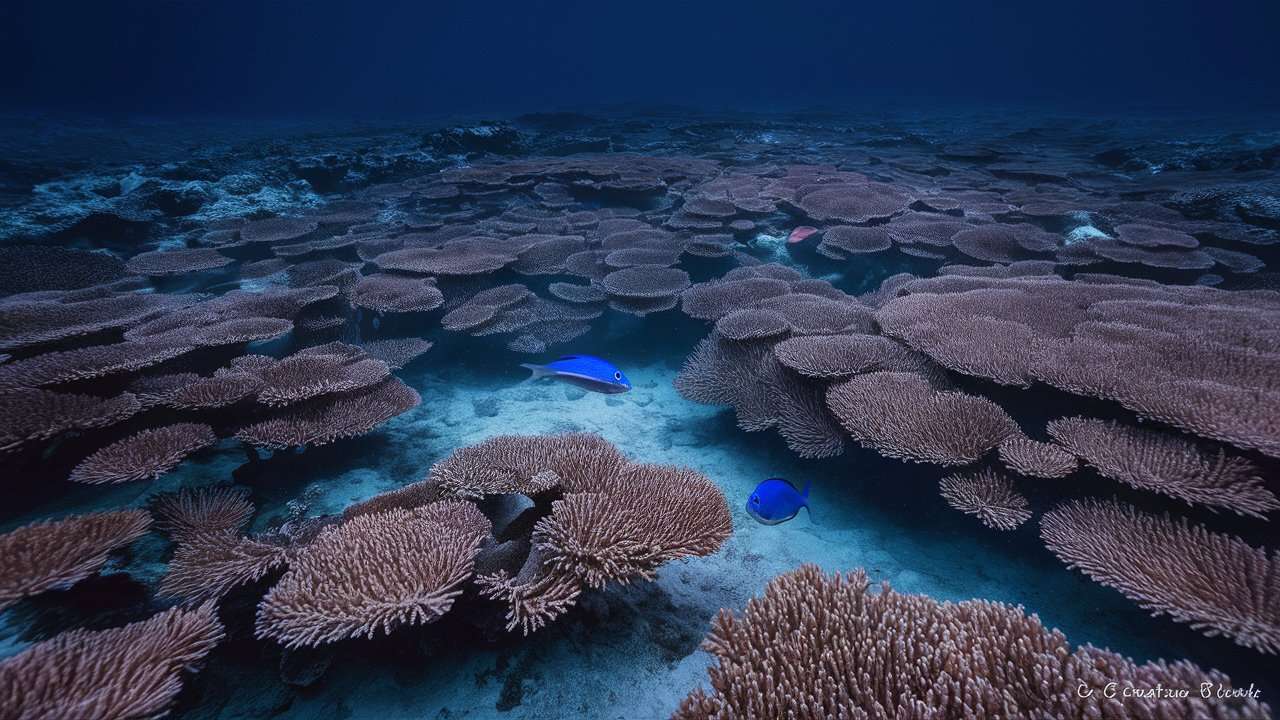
[(1167, 464), (143, 456), (1217, 583), (59, 553), (298, 350), (374, 573), (133, 671), (822, 646), (987, 495)]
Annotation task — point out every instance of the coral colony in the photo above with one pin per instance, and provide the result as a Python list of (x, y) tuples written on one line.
[(269, 450)]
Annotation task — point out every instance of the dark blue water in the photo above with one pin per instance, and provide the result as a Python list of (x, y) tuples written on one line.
[(136, 132), (244, 58)]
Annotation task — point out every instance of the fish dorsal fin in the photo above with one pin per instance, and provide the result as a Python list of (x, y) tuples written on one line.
[(568, 357), (788, 483), (805, 492)]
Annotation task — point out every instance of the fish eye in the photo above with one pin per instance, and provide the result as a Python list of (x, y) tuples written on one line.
[(755, 499), (617, 376)]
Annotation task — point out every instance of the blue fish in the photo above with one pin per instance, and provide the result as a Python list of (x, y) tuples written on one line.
[(776, 501), (585, 371)]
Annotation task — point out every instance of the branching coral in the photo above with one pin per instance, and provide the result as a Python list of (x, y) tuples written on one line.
[(206, 565), (901, 416), (145, 455), (374, 573), (396, 293), (840, 356), (1167, 464), (30, 414), (219, 391), (279, 229), (751, 324), (595, 533), (1217, 583), (405, 497), (535, 596), (397, 352), (1200, 359), (747, 376), (32, 322), (1033, 458), (987, 495), (328, 419), (527, 464), (86, 363), (713, 300), (58, 553), (133, 671), (815, 646), (173, 262), (189, 512), (603, 535), (303, 376)]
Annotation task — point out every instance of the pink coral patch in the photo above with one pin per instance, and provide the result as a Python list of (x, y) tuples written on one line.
[(800, 233)]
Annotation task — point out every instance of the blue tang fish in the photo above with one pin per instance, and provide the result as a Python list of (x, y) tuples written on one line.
[(585, 371), (776, 501)]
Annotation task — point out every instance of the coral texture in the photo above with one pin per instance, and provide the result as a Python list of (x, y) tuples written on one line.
[(59, 553), (817, 646), (1217, 583)]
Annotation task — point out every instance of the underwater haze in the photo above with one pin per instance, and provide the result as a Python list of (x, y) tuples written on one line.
[(695, 360)]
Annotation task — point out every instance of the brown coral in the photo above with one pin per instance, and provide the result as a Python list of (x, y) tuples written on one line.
[(397, 352), (206, 565), (469, 256), (227, 388), (173, 262), (32, 322), (280, 229), (646, 282), (145, 455), (1033, 458), (328, 419), (901, 416), (86, 363), (306, 375), (527, 464), (1167, 464), (855, 203), (1217, 583), (191, 512), (815, 646), (747, 376), (839, 356), (396, 293), (134, 671), (604, 536), (713, 300), (374, 573), (1200, 359), (59, 553), (751, 324), (597, 534), (987, 495), (30, 414)]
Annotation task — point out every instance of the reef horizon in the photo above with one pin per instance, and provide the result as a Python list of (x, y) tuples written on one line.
[(273, 448)]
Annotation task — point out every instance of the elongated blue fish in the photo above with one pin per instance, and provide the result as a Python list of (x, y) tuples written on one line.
[(585, 371), (776, 501)]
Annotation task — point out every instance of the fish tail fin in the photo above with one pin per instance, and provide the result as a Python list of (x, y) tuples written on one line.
[(537, 371)]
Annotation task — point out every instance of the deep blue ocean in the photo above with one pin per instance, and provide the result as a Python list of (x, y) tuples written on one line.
[(999, 283)]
